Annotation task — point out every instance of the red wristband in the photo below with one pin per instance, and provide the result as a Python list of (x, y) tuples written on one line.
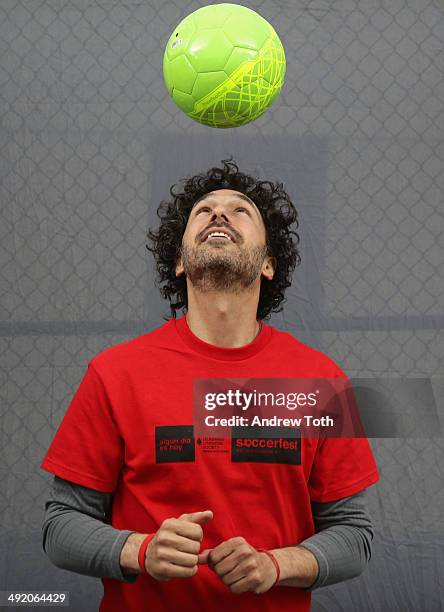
[(142, 552), (276, 564)]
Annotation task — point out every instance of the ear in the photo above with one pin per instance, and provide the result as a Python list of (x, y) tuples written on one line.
[(269, 267), (179, 267)]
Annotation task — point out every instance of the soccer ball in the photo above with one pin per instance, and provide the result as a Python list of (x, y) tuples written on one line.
[(224, 65)]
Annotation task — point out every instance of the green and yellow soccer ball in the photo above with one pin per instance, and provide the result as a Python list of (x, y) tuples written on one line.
[(224, 65)]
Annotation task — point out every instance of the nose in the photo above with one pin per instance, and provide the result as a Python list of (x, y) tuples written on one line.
[(218, 211)]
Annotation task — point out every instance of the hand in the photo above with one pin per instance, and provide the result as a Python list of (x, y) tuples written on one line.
[(240, 566), (173, 552)]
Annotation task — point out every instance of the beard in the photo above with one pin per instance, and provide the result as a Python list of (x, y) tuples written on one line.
[(221, 269)]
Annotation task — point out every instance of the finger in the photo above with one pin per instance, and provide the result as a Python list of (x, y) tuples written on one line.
[(170, 570), (225, 566), (243, 556), (178, 542), (198, 517), (176, 557), (241, 586), (203, 556), (189, 530), (226, 548), (240, 571)]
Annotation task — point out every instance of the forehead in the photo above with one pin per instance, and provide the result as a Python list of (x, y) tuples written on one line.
[(226, 194)]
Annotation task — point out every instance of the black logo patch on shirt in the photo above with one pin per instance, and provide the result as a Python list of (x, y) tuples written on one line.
[(174, 443), (266, 445)]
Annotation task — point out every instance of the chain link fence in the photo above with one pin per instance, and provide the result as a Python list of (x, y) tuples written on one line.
[(83, 115)]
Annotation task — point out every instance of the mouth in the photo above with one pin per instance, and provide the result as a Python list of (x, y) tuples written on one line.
[(218, 235)]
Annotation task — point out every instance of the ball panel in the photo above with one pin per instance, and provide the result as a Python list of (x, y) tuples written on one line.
[(183, 100), (207, 83), (256, 95), (272, 65), (231, 105), (180, 37), (167, 76), (212, 16), (267, 65), (238, 56), (183, 75), (209, 50), (248, 29), (223, 121), (218, 107)]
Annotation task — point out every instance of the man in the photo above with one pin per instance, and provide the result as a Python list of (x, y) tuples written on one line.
[(168, 520)]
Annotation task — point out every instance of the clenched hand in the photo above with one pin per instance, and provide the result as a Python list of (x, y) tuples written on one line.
[(240, 566), (173, 552)]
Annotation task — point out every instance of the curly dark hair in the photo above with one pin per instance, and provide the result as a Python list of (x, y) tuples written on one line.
[(278, 213)]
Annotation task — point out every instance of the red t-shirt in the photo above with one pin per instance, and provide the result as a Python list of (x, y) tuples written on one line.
[(139, 393)]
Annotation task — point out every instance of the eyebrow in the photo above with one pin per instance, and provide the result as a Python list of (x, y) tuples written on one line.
[(239, 196)]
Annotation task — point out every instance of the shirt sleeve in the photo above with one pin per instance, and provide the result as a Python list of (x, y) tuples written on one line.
[(342, 543), (87, 448), (77, 538), (341, 466)]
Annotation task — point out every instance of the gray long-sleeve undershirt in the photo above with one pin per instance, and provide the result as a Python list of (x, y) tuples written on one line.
[(76, 536)]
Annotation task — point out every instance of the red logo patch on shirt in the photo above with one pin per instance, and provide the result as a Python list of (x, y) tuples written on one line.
[(174, 443), (266, 445)]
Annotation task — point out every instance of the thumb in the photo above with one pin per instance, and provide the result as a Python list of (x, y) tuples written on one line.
[(198, 517), (202, 557)]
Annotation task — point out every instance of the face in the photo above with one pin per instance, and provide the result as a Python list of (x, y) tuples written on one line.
[(227, 262)]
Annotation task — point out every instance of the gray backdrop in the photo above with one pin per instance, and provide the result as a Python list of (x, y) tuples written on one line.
[(89, 144)]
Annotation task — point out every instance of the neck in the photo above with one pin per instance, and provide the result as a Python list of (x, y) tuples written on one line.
[(221, 319)]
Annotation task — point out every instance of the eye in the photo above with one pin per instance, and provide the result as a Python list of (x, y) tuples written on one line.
[(203, 208), (241, 208)]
